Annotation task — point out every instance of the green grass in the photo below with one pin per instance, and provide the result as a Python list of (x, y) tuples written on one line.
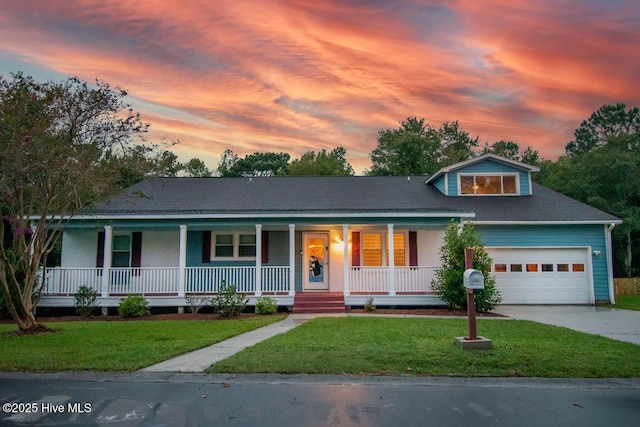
[(377, 346), (629, 302), (115, 345)]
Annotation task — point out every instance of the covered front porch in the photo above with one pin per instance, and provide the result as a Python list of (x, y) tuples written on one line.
[(273, 260)]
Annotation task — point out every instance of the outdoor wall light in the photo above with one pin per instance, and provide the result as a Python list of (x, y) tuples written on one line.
[(597, 253)]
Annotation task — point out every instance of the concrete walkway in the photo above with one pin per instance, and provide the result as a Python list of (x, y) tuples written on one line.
[(199, 360), (617, 324)]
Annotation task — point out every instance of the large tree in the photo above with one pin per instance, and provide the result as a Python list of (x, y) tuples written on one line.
[(608, 178), (607, 122), (253, 165), (53, 140), (321, 163), (416, 148), (511, 150), (411, 149), (196, 168)]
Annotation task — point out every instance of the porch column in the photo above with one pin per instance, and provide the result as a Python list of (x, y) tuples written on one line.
[(292, 259), (106, 266), (258, 291), (182, 274), (345, 241), (392, 261)]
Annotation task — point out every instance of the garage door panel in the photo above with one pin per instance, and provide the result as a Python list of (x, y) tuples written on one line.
[(541, 275)]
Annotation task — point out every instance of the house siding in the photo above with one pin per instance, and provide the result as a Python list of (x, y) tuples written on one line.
[(439, 183), (488, 166), (160, 248), (592, 236), (79, 248)]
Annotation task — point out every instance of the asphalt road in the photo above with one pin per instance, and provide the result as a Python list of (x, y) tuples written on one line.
[(266, 400)]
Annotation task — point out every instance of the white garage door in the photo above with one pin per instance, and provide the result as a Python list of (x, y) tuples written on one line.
[(541, 275)]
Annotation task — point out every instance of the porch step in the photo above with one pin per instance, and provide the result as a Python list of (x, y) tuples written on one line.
[(318, 302)]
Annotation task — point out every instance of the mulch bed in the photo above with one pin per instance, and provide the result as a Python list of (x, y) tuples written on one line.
[(213, 316)]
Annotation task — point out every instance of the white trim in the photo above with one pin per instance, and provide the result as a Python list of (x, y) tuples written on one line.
[(607, 245), (473, 160), (292, 259), (258, 291), (530, 185), (500, 174), (446, 184), (236, 246), (546, 222), (306, 284), (106, 259), (592, 291), (392, 261), (143, 216), (182, 263), (345, 249)]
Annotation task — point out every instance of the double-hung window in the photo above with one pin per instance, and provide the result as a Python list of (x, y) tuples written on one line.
[(234, 246), (121, 253)]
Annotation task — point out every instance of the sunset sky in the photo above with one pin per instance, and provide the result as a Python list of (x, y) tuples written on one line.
[(298, 75)]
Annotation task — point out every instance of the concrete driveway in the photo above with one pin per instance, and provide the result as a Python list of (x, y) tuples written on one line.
[(621, 325)]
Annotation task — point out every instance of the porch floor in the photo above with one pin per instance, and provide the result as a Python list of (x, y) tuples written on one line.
[(319, 302)]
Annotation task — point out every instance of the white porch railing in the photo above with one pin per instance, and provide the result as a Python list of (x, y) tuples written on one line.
[(376, 279), (369, 279), (67, 281), (207, 280), (414, 279), (149, 280), (275, 279)]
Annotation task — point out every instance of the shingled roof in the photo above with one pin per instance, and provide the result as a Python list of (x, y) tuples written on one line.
[(334, 195)]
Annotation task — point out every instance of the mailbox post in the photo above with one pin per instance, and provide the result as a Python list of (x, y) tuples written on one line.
[(472, 280)]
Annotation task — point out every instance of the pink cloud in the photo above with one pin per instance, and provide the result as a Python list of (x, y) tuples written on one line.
[(294, 75)]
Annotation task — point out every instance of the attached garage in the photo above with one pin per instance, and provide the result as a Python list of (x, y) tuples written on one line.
[(542, 275)]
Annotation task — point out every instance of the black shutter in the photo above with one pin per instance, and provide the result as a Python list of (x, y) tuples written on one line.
[(136, 251), (265, 247), (206, 247), (100, 252), (413, 249)]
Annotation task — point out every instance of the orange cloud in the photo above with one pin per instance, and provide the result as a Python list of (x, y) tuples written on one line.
[(291, 76)]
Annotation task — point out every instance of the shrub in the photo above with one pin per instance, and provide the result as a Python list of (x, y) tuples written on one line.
[(266, 305), (369, 306), (448, 284), (196, 302), (228, 302), (133, 306), (85, 301)]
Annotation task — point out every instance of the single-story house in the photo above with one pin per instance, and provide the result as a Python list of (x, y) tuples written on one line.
[(300, 239)]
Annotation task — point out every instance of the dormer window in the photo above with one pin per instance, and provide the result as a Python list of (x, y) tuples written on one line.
[(488, 184)]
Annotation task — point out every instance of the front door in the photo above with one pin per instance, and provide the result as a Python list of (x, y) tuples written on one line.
[(316, 261)]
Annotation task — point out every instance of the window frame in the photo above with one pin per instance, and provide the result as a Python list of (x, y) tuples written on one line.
[(502, 175), (115, 251), (384, 247), (236, 246)]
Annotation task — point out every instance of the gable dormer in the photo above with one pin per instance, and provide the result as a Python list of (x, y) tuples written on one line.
[(485, 175)]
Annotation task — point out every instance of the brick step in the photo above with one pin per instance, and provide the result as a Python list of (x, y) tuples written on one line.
[(319, 302)]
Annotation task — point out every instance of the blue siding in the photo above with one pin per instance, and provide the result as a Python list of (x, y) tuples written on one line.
[(278, 248), (439, 184), (555, 235), (489, 166)]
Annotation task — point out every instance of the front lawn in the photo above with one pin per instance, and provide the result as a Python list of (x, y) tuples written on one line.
[(115, 345), (629, 302), (379, 346)]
